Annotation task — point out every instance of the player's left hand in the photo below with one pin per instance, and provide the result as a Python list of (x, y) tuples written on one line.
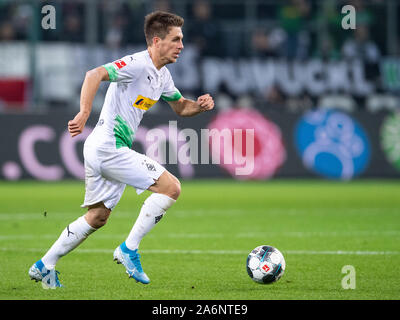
[(205, 102)]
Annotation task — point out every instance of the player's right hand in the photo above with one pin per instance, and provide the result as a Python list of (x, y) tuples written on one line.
[(76, 125)]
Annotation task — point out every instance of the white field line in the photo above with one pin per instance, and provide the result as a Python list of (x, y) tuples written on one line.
[(216, 252), (198, 212), (249, 235)]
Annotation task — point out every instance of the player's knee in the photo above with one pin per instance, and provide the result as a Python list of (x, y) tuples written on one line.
[(174, 189), (97, 216), (101, 221)]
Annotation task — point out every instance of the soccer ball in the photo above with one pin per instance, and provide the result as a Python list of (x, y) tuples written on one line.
[(265, 264)]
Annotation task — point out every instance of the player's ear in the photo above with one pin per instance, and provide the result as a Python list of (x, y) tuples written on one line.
[(156, 41)]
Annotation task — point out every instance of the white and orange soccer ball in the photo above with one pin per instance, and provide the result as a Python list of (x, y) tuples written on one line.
[(265, 264)]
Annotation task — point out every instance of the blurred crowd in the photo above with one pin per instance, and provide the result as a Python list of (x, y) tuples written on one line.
[(290, 29), (284, 28)]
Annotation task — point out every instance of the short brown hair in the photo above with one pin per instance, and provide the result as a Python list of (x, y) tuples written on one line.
[(158, 23)]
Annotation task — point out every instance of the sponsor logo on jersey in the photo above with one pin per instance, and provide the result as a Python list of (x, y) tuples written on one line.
[(144, 103)]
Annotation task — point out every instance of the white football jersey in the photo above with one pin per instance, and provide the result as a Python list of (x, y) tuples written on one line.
[(136, 85)]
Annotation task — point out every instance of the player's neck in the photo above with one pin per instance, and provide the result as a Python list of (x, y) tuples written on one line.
[(157, 61)]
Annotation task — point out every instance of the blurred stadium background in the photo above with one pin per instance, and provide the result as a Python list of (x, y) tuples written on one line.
[(323, 100), (324, 105)]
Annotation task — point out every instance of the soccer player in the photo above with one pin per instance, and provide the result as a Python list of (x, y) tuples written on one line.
[(138, 81)]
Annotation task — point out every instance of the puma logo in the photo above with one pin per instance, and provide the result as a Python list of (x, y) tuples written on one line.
[(158, 218), (69, 232)]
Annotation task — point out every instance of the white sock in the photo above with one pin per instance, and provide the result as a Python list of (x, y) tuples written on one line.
[(71, 237), (152, 211)]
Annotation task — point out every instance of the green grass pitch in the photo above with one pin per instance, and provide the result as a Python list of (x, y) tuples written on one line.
[(198, 250)]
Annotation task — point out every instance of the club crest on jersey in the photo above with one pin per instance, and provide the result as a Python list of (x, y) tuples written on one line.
[(120, 63), (144, 103)]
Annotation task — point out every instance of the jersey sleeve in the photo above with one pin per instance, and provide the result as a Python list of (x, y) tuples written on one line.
[(170, 92), (125, 69)]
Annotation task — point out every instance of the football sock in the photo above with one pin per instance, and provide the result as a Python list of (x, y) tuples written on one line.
[(153, 209), (71, 237)]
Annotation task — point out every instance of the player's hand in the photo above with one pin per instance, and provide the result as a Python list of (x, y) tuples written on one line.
[(205, 102), (76, 125)]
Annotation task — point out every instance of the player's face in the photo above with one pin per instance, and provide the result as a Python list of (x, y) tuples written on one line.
[(171, 46)]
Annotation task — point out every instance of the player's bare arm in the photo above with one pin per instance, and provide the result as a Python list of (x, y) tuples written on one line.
[(188, 108), (90, 86)]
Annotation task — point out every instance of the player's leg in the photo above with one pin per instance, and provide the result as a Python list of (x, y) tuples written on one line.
[(167, 184), (166, 191), (101, 196), (97, 215), (76, 232), (144, 173), (71, 237)]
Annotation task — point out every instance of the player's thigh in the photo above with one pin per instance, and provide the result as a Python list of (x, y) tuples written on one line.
[(167, 184), (131, 168), (99, 189)]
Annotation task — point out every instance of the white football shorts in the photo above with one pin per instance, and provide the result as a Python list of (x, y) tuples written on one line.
[(108, 170)]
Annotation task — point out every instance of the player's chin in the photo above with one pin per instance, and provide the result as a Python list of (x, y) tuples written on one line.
[(171, 60)]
